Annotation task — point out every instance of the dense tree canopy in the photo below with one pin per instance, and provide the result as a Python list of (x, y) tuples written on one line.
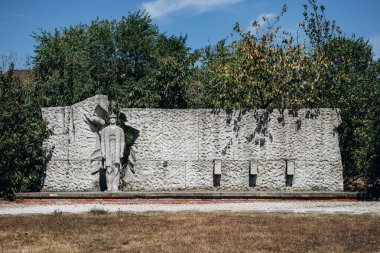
[(262, 68), (22, 133), (128, 60), (351, 82)]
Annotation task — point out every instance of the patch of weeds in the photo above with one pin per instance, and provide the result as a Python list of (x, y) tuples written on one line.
[(98, 211), (120, 212), (57, 212)]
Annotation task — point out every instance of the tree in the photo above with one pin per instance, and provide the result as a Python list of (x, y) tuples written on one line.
[(22, 133), (351, 82), (263, 68), (352, 85), (128, 60), (375, 105)]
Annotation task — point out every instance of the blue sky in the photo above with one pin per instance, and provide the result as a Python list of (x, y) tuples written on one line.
[(204, 21)]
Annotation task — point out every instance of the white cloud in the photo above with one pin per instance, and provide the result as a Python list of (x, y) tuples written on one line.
[(260, 20), (375, 41), (160, 8)]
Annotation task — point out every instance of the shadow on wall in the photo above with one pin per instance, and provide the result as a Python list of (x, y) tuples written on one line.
[(102, 180), (216, 181), (259, 135), (129, 158), (48, 157)]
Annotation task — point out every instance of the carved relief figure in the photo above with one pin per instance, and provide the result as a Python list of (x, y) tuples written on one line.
[(95, 122), (112, 150)]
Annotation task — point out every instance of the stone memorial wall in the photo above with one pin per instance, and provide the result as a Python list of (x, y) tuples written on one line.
[(235, 150), (200, 149), (71, 145)]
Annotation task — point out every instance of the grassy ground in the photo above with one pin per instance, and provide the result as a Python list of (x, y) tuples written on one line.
[(190, 232)]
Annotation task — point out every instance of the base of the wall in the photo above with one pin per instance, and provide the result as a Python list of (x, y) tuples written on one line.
[(311, 195)]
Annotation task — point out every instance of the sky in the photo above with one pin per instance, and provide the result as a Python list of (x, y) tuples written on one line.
[(203, 21)]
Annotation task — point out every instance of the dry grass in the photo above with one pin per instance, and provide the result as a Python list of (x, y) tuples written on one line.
[(190, 232)]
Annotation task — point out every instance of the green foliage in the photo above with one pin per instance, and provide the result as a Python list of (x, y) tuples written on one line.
[(351, 82), (262, 68), (22, 133), (97, 211), (317, 28), (129, 60)]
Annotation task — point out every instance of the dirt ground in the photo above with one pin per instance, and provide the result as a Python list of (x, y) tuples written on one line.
[(190, 232)]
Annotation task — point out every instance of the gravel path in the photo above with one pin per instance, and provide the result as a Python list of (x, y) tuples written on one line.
[(267, 207)]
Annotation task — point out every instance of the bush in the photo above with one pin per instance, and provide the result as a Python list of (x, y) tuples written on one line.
[(22, 133)]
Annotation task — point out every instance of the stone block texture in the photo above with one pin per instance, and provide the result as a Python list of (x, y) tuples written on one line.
[(177, 149), (71, 145)]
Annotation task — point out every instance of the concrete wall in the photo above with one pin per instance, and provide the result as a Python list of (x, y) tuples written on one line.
[(71, 145), (178, 149)]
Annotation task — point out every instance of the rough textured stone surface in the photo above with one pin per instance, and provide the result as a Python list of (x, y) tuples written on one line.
[(177, 149), (71, 145)]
